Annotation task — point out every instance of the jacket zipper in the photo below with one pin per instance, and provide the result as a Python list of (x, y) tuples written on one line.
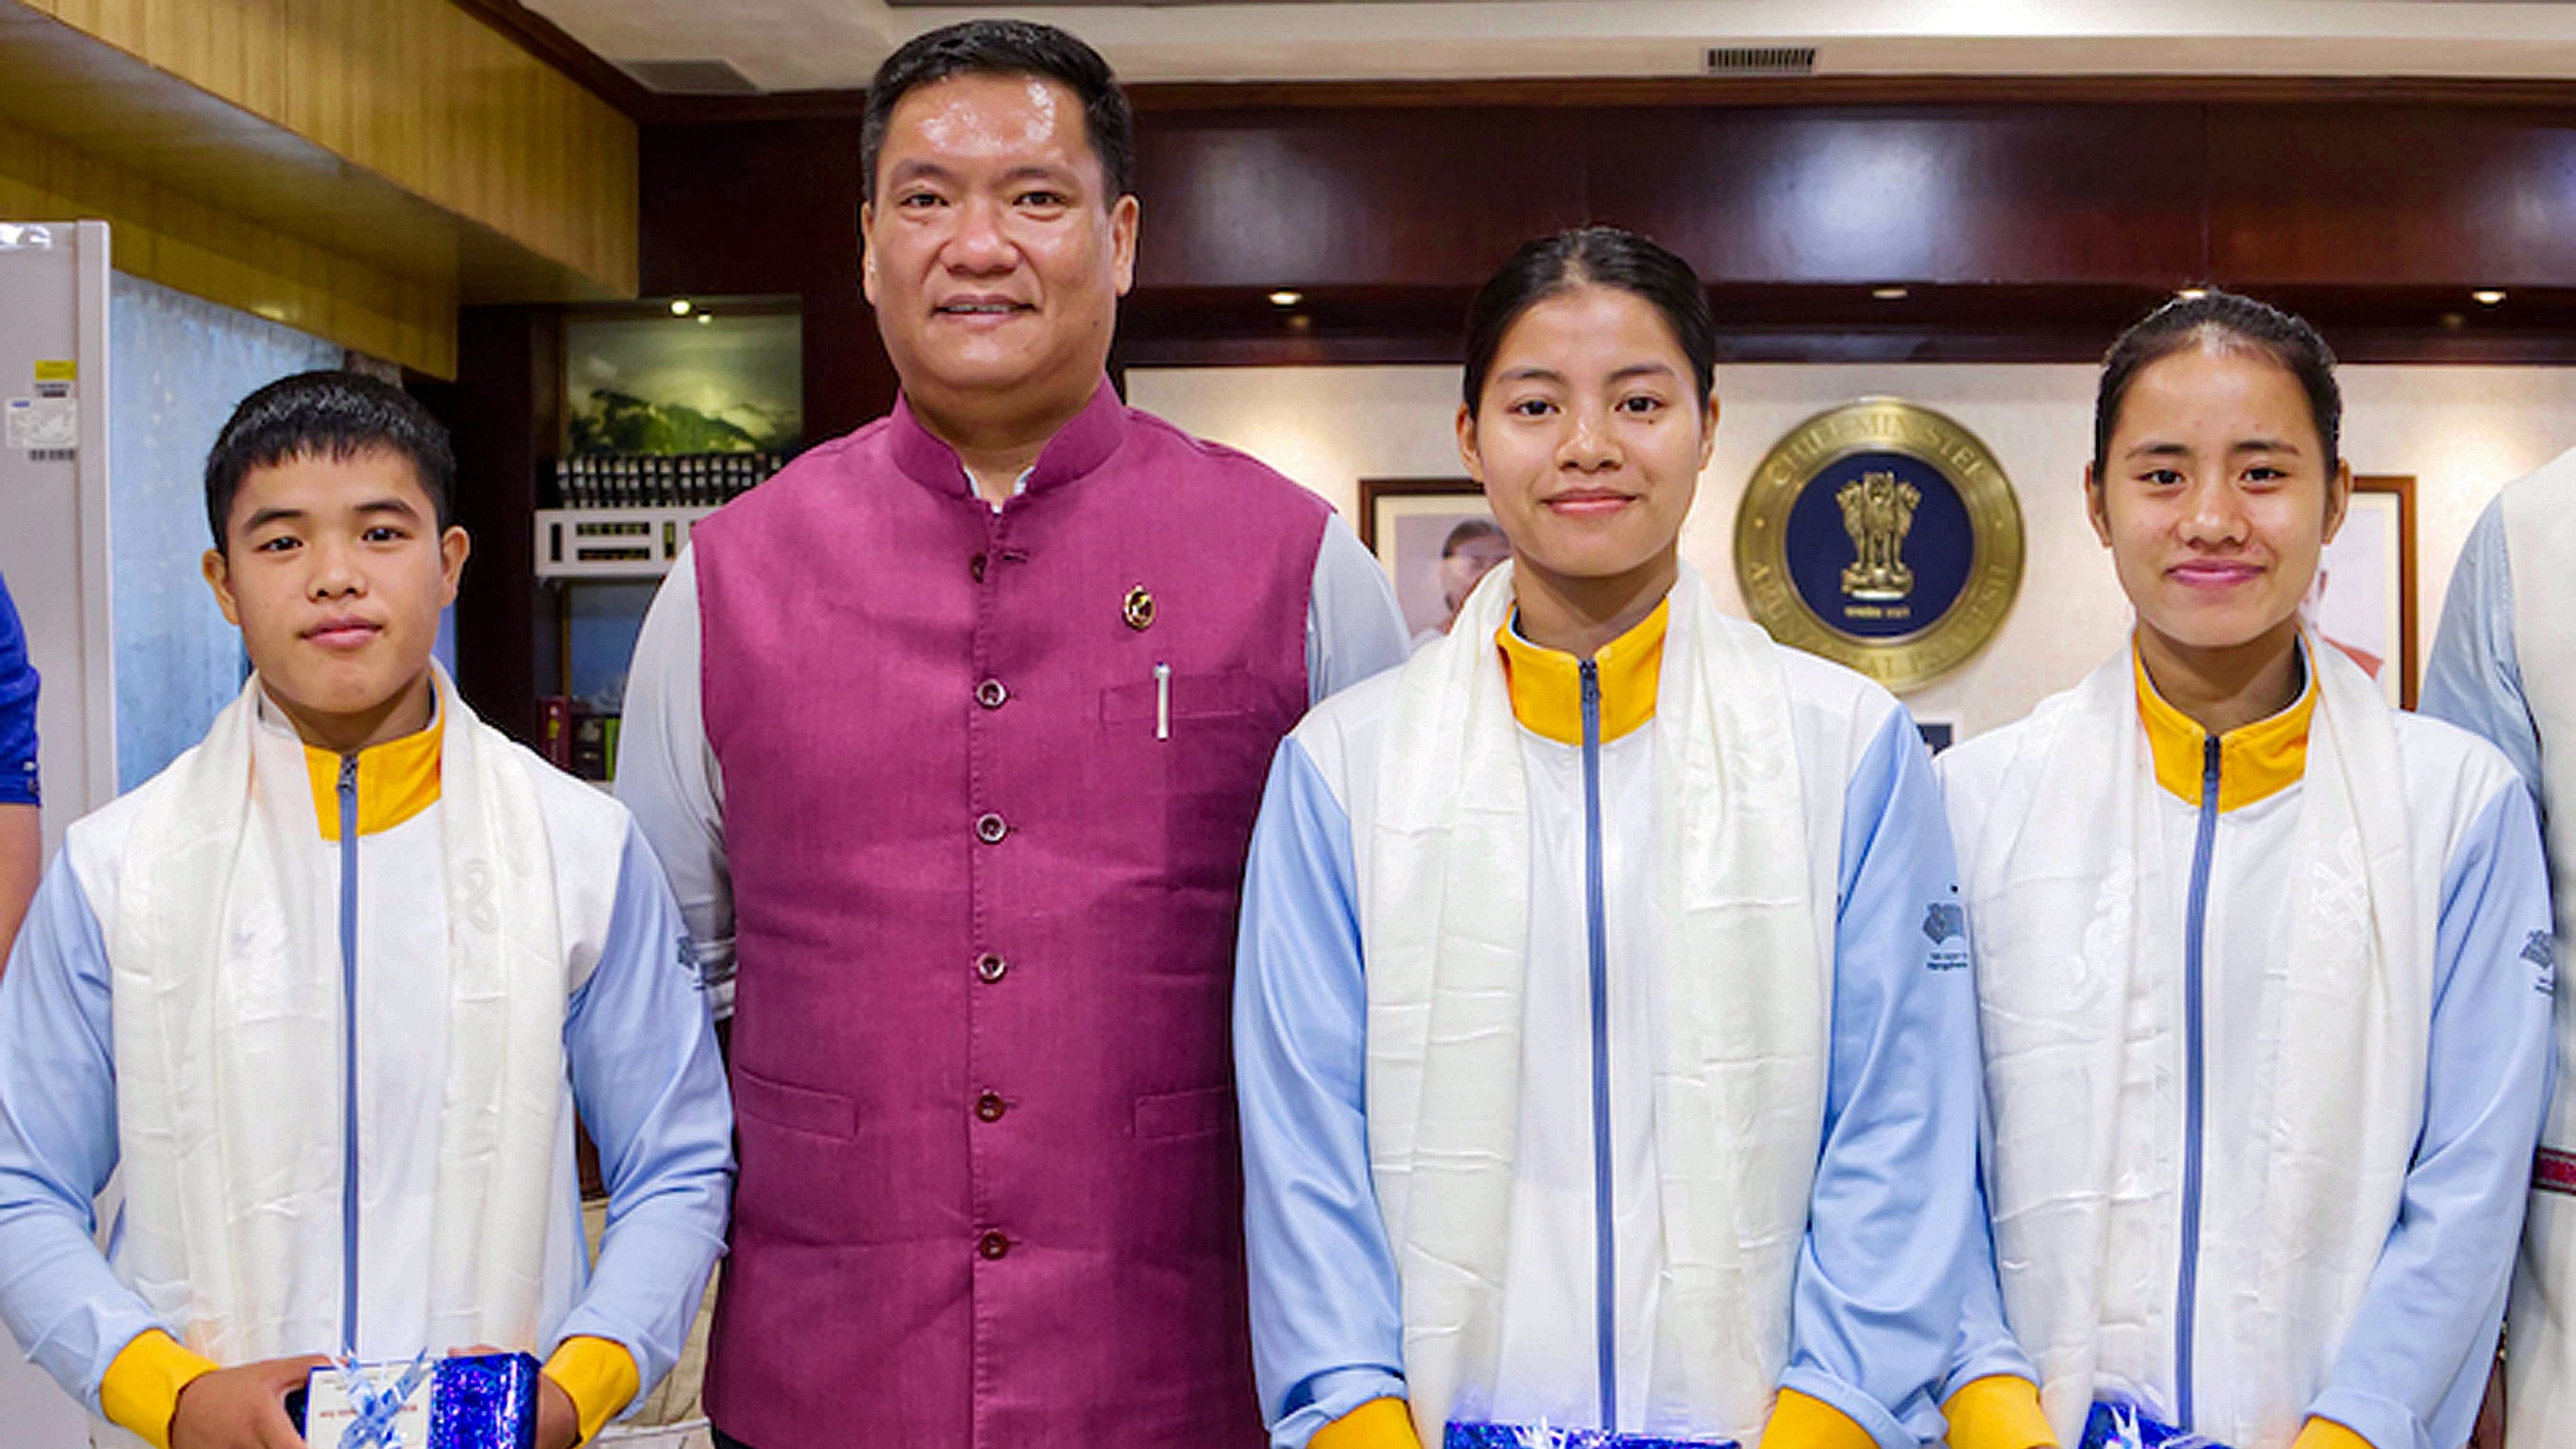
[(349, 1056), (1605, 1252), (2196, 932)]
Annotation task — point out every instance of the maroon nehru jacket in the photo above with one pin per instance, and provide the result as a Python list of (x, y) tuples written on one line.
[(989, 778)]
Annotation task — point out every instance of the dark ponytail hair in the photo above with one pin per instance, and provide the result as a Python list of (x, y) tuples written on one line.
[(1602, 256), (2220, 320)]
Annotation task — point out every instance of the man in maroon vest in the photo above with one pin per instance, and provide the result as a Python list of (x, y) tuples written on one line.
[(953, 733)]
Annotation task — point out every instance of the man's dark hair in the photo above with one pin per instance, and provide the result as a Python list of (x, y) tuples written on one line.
[(2219, 320), (334, 415), (1007, 47), (1602, 256)]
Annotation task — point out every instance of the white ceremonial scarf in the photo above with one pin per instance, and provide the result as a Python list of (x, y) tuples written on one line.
[(1740, 1083), (2080, 923), (230, 1061)]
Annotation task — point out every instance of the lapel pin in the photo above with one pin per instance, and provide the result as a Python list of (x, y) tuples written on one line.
[(1138, 610)]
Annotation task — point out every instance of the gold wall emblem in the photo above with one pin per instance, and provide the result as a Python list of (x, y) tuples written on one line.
[(1878, 511), (1883, 536)]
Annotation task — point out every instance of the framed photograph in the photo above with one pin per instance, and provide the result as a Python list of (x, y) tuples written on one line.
[(1436, 538), (2363, 600), (723, 378)]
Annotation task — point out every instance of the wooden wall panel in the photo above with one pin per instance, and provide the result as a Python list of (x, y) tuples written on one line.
[(417, 91), (2029, 219), (2036, 195), (180, 242), (2385, 196), (1363, 197), (1407, 197), (771, 208)]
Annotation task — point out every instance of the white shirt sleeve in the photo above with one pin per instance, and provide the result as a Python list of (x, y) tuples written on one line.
[(668, 777)]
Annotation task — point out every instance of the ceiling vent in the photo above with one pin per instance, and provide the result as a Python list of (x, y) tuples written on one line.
[(691, 77), (1761, 60)]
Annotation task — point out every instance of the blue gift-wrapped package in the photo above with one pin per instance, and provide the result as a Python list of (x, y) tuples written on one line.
[(476, 1401), (2120, 1424), (1542, 1436)]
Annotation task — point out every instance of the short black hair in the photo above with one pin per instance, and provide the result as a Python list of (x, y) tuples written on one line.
[(1602, 256), (2218, 319), (1007, 47), (328, 414)]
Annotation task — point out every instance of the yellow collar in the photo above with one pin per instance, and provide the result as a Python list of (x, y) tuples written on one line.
[(2255, 761), (396, 781), (1547, 685)]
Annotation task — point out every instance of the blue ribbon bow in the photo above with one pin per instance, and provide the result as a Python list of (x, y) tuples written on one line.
[(2117, 1423), (378, 1408)]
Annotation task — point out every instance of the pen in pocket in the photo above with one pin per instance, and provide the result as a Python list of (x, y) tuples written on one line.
[(1162, 701)]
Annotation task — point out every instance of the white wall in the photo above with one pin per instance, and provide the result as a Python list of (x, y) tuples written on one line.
[(2462, 431)]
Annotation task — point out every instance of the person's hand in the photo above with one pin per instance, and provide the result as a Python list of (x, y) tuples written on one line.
[(558, 1422), (2489, 1434), (241, 1408)]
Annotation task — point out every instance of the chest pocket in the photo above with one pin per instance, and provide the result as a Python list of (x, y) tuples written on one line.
[(1198, 747)]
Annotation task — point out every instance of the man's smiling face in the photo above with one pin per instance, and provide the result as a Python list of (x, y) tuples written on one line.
[(995, 258)]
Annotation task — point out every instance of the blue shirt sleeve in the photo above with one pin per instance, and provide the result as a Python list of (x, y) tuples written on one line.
[(58, 1144), (2415, 1366), (17, 709), (1896, 1235), (1986, 1344), (1353, 628), (2474, 679), (641, 1048), (1327, 1317)]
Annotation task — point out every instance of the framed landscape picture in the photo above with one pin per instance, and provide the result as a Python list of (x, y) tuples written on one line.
[(642, 380)]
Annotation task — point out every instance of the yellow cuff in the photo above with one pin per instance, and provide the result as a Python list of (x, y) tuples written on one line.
[(1801, 1422), (141, 1389), (2327, 1434), (1999, 1411), (598, 1375), (1377, 1424)]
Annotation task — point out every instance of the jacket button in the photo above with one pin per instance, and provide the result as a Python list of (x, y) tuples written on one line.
[(993, 1245), (990, 966), (991, 693), (990, 1107), (975, 566), (990, 828)]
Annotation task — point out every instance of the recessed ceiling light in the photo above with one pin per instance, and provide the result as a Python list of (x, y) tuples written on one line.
[(705, 318), (1285, 297), (680, 306), (2191, 294), (1888, 294), (2486, 297)]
